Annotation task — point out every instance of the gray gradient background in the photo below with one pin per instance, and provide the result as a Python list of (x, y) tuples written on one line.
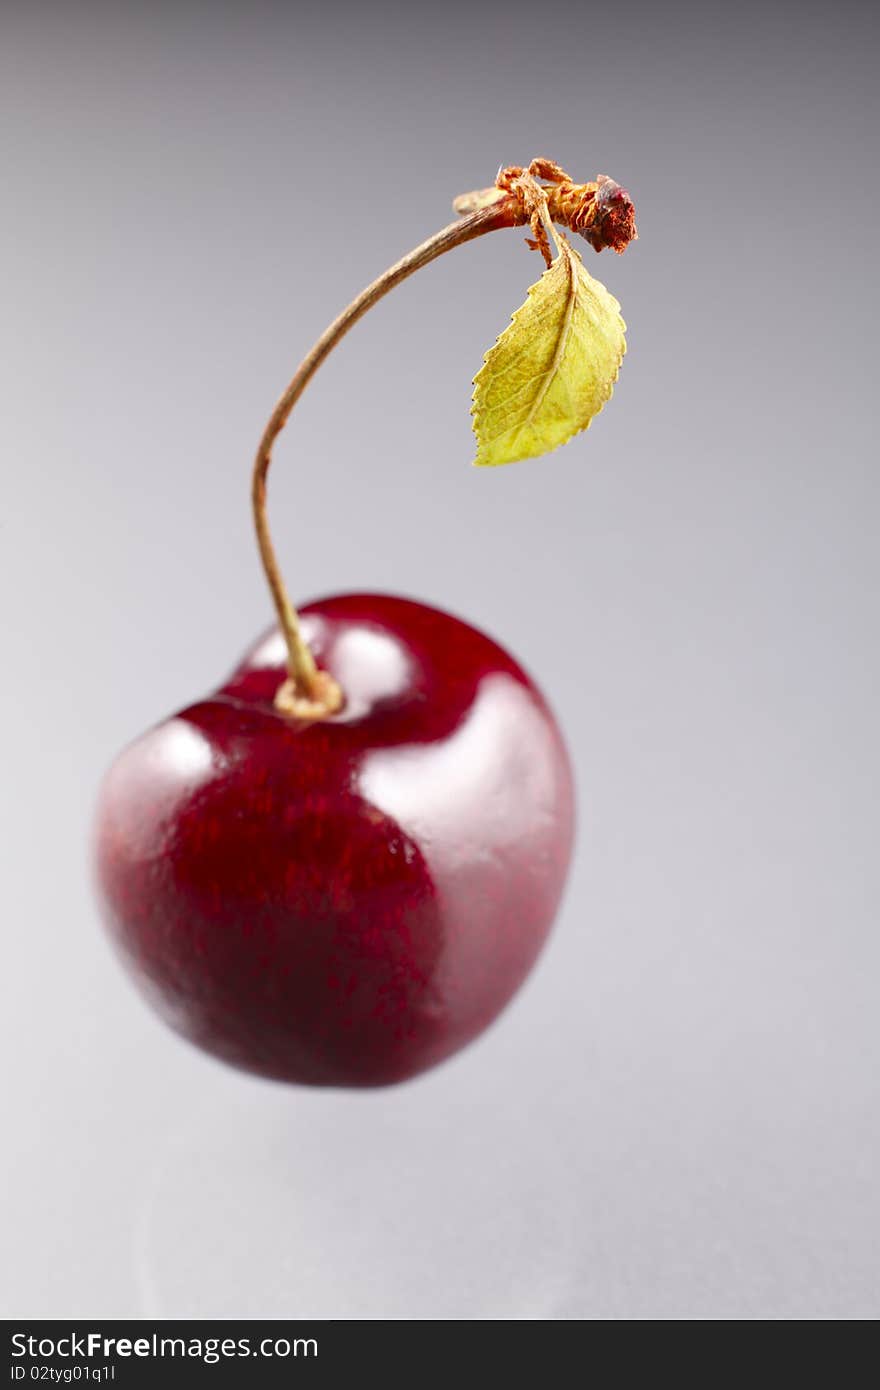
[(678, 1117)]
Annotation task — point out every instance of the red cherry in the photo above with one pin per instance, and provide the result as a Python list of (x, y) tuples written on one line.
[(344, 902)]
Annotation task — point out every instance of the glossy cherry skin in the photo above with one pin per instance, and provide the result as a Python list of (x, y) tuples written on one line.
[(345, 902)]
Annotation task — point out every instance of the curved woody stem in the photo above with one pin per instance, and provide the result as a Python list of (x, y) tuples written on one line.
[(310, 693)]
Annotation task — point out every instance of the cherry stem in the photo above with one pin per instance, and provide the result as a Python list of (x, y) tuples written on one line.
[(310, 693), (601, 211)]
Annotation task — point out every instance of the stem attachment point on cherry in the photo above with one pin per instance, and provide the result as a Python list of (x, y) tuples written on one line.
[(327, 698)]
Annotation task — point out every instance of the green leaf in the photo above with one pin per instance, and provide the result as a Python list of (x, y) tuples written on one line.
[(552, 369)]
